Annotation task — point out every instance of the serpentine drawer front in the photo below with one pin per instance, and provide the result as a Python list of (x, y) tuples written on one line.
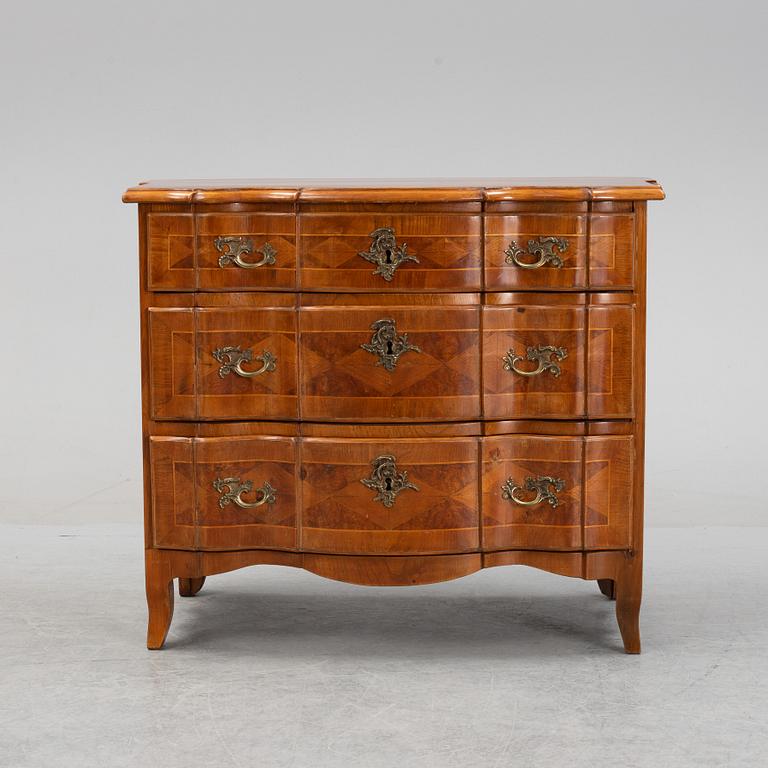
[(393, 382), (394, 362)]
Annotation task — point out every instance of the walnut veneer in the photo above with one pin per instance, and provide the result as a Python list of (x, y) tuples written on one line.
[(393, 382)]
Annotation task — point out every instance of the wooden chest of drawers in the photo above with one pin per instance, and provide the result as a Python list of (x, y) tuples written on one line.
[(393, 382)]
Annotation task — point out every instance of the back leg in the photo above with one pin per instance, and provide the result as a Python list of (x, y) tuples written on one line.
[(190, 587), (607, 587)]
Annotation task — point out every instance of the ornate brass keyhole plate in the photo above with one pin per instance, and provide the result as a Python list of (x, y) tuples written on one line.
[(387, 344), (385, 253), (386, 480)]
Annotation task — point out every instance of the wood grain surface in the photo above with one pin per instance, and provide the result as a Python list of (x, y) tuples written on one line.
[(171, 251), (340, 380), (341, 515), (186, 512), (507, 525), (276, 229), (399, 190), (516, 328), (185, 378), (447, 247)]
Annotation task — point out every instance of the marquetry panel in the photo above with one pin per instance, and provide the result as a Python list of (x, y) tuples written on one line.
[(182, 390), (172, 492), (610, 364), (270, 395), (448, 249), (609, 466), (276, 229), (172, 364), (611, 251), (341, 380), (171, 251), (340, 513), (516, 328), (261, 460), (501, 231), (508, 525)]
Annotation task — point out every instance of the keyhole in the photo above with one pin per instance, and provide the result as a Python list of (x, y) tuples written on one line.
[(388, 256), (389, 348), (388, 483)]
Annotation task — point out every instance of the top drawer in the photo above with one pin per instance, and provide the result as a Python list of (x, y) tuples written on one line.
[(386, 252), (221, 251)]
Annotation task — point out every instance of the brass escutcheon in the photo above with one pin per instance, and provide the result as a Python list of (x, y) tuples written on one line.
[(542, 355), (538, 485), (385, 253), (232, 490), (233, 248), (386, 480), (232, 359), (387, 344), (543, 247)]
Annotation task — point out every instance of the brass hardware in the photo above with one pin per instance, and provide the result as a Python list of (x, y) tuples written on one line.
[(386, 480), (541, 355), (386, 343), (233, 248), (385, 253), (232, 490), (539, 485), (232, 359), (543, 247)]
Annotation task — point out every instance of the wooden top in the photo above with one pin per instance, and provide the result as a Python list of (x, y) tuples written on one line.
[(391, 190)]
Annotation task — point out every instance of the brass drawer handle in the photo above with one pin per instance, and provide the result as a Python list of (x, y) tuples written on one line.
[(233, 248), (541, 355), (385, 253), (232, 490), (387, 344), (543, 247), (232, 359), (386, 480), (538, 485)]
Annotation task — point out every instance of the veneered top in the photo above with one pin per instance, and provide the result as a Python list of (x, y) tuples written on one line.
[(391, 190)]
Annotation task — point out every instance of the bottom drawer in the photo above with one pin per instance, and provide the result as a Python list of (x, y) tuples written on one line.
[(393, 495), (557, 493)]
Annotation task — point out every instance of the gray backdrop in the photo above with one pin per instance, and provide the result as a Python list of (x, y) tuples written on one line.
[(96, 96)]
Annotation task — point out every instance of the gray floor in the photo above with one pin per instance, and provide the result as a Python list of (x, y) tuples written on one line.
[(275, 667)]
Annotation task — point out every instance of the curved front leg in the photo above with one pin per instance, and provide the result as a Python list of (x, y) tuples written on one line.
[(628, 588), (190, 587), (159, 583)]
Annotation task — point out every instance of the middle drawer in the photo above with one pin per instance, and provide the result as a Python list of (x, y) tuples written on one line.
[(399, 359)]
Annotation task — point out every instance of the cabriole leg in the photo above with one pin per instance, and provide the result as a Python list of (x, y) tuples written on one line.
[(628, 587), (159, 580)]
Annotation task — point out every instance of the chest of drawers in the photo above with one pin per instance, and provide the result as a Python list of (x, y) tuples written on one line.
[(393, 382)]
